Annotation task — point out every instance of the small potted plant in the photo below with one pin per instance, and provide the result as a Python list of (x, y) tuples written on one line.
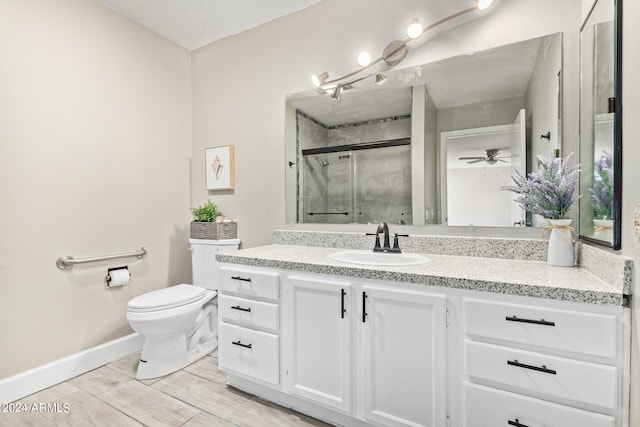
[(204, 225), (550, 192)]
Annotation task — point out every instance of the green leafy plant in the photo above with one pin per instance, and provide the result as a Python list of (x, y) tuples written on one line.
[(207, 212)]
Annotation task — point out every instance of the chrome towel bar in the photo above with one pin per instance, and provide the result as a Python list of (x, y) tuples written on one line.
[(67, 262)]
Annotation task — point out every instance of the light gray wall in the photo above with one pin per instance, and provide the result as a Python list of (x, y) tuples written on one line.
[(490, 113), (542, 91), (95, 140)]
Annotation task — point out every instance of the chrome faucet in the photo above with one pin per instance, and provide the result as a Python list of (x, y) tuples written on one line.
[(386, 246)]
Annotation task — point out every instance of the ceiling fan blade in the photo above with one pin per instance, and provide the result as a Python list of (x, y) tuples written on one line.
[(471, 158), (482, 159), (503, 161)]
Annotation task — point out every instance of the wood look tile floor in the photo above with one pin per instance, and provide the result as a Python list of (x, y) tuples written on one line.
[(196, 396)]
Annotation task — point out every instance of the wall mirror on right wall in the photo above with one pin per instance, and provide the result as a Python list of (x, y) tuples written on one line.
[(600, 124)]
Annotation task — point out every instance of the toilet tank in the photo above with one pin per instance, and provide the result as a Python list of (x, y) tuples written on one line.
[(203, 259)]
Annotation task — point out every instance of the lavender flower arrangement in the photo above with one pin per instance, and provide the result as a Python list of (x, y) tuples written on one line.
[(601, 197), (551, 191)]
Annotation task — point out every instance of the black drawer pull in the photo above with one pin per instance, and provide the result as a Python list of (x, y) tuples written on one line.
[(237, 307), (244, 279), (517, 423), (364, 307), (536, 322), (240, 344), (542, 368)]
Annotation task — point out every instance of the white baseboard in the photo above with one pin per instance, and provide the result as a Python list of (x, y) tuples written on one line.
[(33, 380)]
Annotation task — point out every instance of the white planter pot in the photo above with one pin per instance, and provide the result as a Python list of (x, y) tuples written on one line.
[(560, 243), (603, 229)]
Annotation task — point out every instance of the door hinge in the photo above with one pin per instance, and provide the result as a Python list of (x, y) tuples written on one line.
[(446, 318)]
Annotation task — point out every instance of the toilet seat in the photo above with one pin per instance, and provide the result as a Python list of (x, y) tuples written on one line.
[(166, 298)]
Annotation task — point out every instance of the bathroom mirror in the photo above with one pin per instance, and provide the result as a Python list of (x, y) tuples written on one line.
[(600, 130), (432, 144)]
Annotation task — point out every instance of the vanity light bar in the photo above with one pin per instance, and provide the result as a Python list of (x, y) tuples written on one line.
[(392, 54)]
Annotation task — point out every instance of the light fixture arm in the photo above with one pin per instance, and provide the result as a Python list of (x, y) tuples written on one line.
[(346, 76), (400, 45), (449, 18)]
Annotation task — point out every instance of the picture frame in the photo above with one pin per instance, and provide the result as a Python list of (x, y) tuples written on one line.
[(219, 167)]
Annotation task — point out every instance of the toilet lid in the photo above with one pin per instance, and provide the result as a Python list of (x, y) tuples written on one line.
[(173, 296)]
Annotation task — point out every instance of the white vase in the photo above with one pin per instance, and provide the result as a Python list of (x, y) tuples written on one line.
[(560, 243), (603, 229)]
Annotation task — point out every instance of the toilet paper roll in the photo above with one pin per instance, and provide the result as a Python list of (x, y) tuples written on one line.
[(119, 277)]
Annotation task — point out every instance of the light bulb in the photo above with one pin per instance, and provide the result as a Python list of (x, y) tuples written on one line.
[(364, 59), (483, 4), (319, 79), (415, 29)]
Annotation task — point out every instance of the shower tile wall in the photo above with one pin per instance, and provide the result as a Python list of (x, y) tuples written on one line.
[(372, 185), (379, 130)]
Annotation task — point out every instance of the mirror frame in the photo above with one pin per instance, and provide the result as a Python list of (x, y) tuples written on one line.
[(617, 132)]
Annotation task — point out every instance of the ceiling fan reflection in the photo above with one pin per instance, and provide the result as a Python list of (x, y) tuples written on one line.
[(491, 156)]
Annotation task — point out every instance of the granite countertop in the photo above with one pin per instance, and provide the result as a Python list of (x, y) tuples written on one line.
[(506, 276)]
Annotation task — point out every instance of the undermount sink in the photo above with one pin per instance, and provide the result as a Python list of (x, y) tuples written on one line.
[(378, 258)]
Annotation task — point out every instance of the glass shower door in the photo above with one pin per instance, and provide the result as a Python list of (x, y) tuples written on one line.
[(327, 188)]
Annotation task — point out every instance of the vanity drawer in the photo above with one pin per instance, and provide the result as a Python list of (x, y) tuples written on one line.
[(553, 377), (248, 312), (249, 282), (249, 352), (485, 406), (584, 333)]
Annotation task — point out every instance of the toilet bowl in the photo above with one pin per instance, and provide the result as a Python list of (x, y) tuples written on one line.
[(179, 323)]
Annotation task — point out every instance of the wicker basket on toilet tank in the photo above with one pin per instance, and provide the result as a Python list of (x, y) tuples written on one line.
[(209, 223)]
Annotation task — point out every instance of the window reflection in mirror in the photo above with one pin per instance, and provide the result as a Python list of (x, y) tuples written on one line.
[(433, 145), (597, 123)]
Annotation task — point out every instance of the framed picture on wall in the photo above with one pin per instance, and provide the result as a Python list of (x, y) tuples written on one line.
[(219, 167)]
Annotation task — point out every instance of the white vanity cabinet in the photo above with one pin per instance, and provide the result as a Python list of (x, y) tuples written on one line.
[(367, 352), (533, 365), (393, 374), (318, 327), (403, 356)]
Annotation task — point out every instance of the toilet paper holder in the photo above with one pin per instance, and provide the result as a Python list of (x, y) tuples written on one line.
[(109, 278)]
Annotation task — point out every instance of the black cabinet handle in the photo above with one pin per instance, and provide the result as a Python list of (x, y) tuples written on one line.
[(342, 309), (244, 279), (237, 307), (240, 344), (542, 368), (517, 423), (364, 307), (536, 322)]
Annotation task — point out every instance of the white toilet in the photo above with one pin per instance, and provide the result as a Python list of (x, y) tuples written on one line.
[(180, 323)]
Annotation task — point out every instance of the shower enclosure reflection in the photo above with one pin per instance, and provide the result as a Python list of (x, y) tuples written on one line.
[(345, 177)]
